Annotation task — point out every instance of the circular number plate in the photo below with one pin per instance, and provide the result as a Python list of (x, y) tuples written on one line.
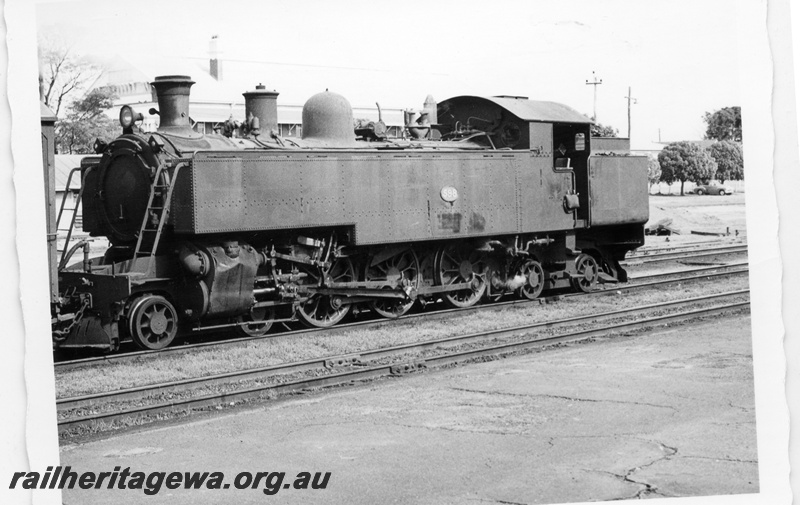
[(449, 194)]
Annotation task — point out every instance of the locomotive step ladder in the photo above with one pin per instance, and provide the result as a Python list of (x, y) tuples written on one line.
[(62, 252), (155, 216)]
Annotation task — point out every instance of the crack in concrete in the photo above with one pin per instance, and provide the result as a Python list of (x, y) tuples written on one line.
[(650, 489), (568, 398), (647, 488), (296, 429), (493, 500), (730, 460), (455, 430), (737, 423), (748, 410)]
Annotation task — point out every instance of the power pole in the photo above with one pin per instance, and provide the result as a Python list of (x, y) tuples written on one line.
[(594, 83), (630, 98)]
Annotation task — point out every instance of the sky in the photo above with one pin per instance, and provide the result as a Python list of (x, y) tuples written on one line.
[(679, 57)]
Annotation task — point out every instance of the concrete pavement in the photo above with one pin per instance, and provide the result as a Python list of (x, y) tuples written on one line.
[(668, 413)]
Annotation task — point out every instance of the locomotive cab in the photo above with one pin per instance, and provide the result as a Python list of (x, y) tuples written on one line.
[(570, 143), (548, 130), (562, 136)]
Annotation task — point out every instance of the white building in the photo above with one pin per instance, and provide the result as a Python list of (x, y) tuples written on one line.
[(214, 99)]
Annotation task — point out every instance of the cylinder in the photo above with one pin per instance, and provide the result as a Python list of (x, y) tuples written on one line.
[(262, 104), (173, 101)]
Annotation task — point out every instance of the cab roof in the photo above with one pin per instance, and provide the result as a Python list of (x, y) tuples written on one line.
[(527, 110)]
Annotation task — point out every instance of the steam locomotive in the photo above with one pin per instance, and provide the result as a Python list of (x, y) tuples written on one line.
[(484, 197)]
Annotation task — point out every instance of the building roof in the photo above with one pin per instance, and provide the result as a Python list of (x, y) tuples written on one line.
[(217, 112), (65, 163), (45, 113), (214, 100), (705, 143)]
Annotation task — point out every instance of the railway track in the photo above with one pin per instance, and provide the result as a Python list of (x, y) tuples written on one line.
[(678, 255), (674, 246), (639, 282), (143, 404), (678, 247)]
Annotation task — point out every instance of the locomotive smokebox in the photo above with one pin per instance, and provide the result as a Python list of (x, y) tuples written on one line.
[(328, 121), (262, 104), (173, 103)]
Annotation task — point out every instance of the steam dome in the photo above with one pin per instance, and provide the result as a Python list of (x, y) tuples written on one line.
[(328, 120)]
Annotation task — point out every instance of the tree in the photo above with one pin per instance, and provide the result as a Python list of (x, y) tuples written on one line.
[(686, 161), (86, 121), (599, 130), (65, 82), (653, 170), (62, 74), (730, 160), (724, 124)]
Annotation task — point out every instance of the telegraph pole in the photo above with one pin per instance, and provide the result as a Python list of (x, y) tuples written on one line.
[(630, 98), (594, 83)]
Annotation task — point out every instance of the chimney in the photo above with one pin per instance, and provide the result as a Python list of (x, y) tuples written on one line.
[(214, 65), (262, 104), (173, 103)]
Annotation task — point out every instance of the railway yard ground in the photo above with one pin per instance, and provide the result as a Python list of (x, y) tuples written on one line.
[(664, 413), (703, 214), (665, 410)]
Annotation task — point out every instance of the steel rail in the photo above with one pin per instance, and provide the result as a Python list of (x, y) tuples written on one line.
[(130, 356), (276, 371), (657, 258)]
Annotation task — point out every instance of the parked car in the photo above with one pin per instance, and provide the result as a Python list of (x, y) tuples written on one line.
[(712, 189)]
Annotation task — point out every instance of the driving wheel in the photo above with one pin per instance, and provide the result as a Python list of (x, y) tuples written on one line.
[(324, 311), (398, 271), (459, 264)]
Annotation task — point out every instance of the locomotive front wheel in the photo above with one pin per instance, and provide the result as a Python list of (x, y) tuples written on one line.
[(587, 271), (534, 279), (260, 319), (402, 269), (322, 311), (152, 322), (461, 264)]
